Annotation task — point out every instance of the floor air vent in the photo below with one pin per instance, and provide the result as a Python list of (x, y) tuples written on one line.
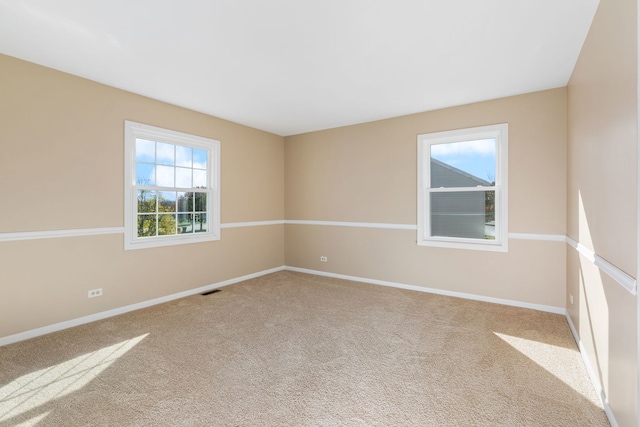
[(210, 292)]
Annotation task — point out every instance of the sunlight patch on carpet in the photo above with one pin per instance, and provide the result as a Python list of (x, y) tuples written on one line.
[(551, 358), (33, 421), (46, 385)]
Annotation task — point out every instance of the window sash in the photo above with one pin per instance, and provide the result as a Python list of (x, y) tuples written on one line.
[(425, 141), (461, 189), (427, 233)]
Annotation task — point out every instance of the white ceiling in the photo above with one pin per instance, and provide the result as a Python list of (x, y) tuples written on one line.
[(293, 66)]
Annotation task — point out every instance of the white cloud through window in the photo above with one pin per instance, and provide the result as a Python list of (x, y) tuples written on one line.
[(486, 147)]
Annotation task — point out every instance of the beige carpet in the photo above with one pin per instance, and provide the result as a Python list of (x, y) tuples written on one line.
[(291, 349)]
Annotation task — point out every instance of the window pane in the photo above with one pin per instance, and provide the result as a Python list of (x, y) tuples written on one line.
[(200, 223), (463, 164), (183, 178), (146, 201), (199, 178), (183, 156), (165, 154), (166, 201), (185, 223), (468, 214), (166, 224), (145, 174), (146, 225), (201, 202), (165, 176), (145, 151), (185, 202), (199, 158)]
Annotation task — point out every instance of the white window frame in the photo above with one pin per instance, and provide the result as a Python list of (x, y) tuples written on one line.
[(133, 130), (425, 141)]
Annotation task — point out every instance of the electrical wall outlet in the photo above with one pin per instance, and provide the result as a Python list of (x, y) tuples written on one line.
[(323, 258), (95, 293), (571, 298)]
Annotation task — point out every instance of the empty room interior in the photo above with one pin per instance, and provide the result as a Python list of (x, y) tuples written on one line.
[(313, 164)]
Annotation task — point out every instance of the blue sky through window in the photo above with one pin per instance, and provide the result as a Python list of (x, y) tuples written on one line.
[(475, 157), (169, 165)]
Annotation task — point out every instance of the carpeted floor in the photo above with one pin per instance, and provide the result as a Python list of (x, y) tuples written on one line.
[(291, 349)]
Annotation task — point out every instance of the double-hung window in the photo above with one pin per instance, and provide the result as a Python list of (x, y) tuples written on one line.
[(462, 188), (171, 187)]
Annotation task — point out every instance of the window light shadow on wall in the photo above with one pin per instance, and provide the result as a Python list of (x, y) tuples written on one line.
[(591, 330), (31, 391)]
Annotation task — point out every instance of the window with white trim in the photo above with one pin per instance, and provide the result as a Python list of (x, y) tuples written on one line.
[(462, 188), (172, 193)]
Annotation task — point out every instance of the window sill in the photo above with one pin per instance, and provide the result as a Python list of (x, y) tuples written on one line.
[(486, 245), (155, 242)]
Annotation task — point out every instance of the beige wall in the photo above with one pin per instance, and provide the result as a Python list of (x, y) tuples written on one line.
[(368, 173), (572, 170), (602, 197), (61, 167)]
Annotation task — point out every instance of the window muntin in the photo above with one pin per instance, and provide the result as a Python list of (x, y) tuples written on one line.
[(462, 188), (172, 194)]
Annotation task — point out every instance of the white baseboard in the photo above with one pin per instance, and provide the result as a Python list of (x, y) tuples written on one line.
[(592, 374), (10, 339), (539, 307), (121, 310)]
